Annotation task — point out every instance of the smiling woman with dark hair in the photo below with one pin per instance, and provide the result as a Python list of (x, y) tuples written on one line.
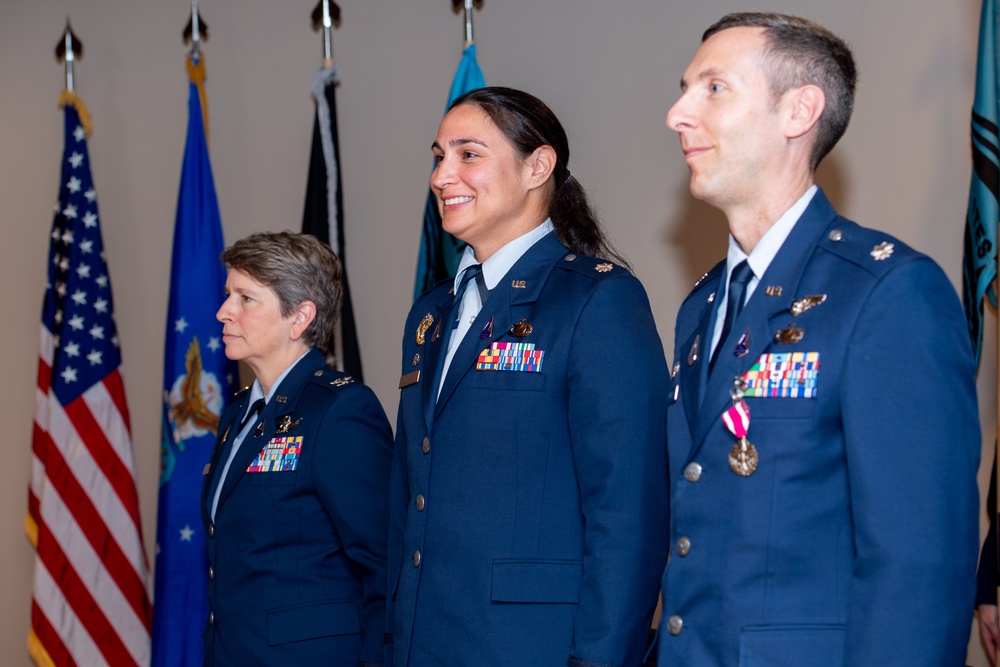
[(529, 489)]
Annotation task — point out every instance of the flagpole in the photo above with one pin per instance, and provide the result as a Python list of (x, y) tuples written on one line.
[(195, 31), (325, 17), (68, 49), (467, 5)]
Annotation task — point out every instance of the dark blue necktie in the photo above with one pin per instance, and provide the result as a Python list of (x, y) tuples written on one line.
[(734, 303)]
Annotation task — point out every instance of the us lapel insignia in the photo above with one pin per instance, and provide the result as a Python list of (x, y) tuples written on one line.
[(518, 284), (789, 336), (742, 345), (281, 399), (259, 431), (422, 328), (521, 329), (773, 290), (286, 423), (805, 303), (693, 354), (340, 382), (487, 331), (882, 251), (437, 332), (604, 267)]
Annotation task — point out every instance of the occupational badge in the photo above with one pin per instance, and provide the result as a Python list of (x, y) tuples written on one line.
[(790, 335), (286, 423), (742, 345), (422, 328), (521, 329), (805, 303)]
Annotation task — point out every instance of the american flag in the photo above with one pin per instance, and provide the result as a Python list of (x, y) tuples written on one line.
[(90, 602)]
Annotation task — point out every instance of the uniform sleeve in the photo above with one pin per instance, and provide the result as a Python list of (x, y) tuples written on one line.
[(617, 410), (353, 481), (912, 440)]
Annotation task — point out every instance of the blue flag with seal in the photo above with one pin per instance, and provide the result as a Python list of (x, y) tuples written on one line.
[(197, 381), (980, 256), (440, 252)]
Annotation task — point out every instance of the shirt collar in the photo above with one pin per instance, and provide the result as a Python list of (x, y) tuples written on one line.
[(764, 252), (500, 262), (257, 392)]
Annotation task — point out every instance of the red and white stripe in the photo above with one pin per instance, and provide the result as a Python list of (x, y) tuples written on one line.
[(91, 602)]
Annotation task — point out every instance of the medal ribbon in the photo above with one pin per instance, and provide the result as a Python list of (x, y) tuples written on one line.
[(737, 419)]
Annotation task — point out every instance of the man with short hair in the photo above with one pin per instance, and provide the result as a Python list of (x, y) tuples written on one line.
[(823, 435)]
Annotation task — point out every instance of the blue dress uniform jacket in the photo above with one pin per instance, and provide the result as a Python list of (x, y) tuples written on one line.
[(298, 557), (529, 509), (854, 542)]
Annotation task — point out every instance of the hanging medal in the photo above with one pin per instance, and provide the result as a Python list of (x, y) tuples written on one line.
[(743, 458)]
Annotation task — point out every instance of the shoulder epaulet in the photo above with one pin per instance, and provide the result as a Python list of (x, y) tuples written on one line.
[(870, 249), (327, 377), (591, 266)]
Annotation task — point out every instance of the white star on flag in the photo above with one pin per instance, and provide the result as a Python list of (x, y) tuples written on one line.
[(89, 219), (79, 297), (83, 270), (67, 237), (76, 322), (75, 160), (101, 305), (94, 357), (180, 325), (102, 281), (87, 247), (74, 184), (69, 375), (61, 289), (214, 344), (70, 211), (72, 349), (186, 534), (78, 133), (97, 332), (90, 194)]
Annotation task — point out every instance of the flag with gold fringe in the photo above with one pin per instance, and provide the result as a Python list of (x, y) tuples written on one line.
[(197, 381), (90, 603)]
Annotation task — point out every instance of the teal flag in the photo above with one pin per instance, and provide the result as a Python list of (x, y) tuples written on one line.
[(984, 213), (198, 379), (440, 252)]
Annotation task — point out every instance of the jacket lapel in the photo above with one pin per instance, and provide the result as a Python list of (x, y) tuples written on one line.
[(282, 403), (786, 271), (434, 354), (531, 271)]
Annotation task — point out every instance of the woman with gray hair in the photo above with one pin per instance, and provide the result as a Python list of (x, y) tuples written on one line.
[(295, 496)]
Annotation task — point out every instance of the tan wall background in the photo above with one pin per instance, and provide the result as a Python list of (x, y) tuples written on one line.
[(608, 69)]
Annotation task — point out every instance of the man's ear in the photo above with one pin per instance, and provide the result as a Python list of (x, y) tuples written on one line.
[(805, 106)]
